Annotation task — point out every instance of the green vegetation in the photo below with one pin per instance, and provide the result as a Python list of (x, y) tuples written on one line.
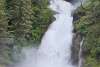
[(42, 17), (21, 22), (4, 40), (25, 21), (89, 25)]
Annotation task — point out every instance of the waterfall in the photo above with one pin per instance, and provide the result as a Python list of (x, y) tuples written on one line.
[(55, 48), (80, 54)]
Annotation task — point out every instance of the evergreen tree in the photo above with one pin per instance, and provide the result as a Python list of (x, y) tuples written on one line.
[(20, 18), (4, 40), (24, 24)]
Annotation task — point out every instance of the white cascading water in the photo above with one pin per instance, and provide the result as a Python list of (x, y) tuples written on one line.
[(54, 50)]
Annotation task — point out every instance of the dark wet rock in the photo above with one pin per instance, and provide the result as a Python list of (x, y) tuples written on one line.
[(72, 1), (77, 37)]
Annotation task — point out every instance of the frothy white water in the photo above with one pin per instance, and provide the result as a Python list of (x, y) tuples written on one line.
[(28, 58), (55, 49)]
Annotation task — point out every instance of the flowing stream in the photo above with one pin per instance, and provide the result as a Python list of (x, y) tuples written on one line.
[(54, 50)]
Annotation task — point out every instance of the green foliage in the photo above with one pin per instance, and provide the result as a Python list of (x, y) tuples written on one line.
[(26, 21), (3, 20), (20, 17), (91, 62), (26, 17), (89, 25), (43, 16), (4, 40)]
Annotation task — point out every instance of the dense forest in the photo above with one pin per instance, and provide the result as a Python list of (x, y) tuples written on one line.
[(23, 22), (88, 24)]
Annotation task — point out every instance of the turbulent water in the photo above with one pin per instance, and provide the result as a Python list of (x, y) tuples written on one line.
[(55, 48)]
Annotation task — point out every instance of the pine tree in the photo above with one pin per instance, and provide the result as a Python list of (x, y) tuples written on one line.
[(20, 17), (20, 20), (3, 20), (4, 40), (23, 27)]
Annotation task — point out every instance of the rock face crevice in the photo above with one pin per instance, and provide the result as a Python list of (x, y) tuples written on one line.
[(77, 38)]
